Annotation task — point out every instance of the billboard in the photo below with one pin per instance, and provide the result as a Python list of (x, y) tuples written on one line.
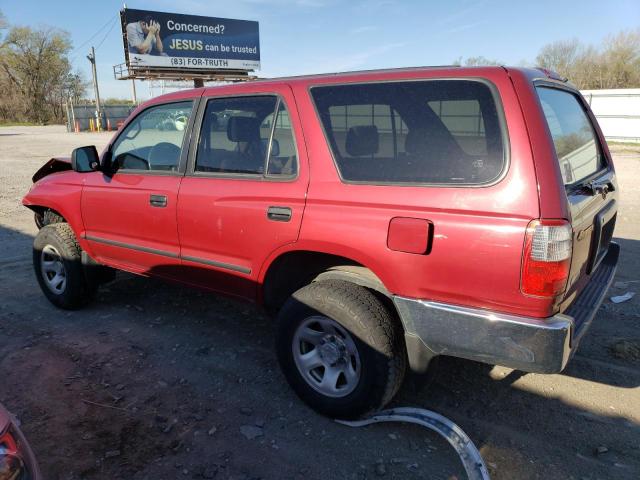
[(157, 40)]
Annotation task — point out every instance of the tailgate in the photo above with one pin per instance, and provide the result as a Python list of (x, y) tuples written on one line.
[(589, 180)]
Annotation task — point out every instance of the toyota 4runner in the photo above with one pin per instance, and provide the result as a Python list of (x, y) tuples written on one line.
[(384, 217)]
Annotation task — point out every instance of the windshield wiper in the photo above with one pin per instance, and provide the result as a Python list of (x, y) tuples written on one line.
[(596, 188)]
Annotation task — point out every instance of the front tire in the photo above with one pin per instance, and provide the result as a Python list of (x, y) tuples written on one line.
[(58, 267), (47, 218), (340, 349)]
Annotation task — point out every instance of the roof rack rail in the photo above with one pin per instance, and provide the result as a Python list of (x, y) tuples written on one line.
[(552, 74), (357, 72)]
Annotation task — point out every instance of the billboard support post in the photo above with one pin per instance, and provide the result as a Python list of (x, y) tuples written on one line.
[(133, 91), (92, 58)]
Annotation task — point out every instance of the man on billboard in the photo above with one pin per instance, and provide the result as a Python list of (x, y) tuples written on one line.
[(144, 37)]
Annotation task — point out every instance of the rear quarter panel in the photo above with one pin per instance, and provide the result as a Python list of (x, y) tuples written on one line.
[(478, 231)]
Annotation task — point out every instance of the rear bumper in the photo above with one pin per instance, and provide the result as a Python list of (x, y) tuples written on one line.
[(542, 345)]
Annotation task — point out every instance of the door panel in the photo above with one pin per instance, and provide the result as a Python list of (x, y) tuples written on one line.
[(124, 226), (229, 222), (130, 215), (224, 228)]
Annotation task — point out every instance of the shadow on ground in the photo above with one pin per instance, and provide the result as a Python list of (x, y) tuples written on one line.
[(153, 380)]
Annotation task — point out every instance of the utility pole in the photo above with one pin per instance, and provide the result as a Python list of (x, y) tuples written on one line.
[(73, 115), (92, 58), (133, 87)]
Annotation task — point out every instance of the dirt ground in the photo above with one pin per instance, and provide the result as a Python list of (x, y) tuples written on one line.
[(155, 381)]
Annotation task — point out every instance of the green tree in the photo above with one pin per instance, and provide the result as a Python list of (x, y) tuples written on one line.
[(35, 66), (117, 101)]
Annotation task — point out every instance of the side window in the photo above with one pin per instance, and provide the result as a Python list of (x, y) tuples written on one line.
[(463, 118), (283, 159), (238, 133), (153, 140), (388, 123), (424, 132), (574, 140)]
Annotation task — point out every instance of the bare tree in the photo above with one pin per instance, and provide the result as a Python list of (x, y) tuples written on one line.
[(615, 65), (71, 87), (561, 57), (621, 60)]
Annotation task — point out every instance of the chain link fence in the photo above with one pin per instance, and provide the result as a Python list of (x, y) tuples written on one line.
[(82, 118)]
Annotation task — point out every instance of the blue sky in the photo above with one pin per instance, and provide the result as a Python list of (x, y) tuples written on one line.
[(314, 36)]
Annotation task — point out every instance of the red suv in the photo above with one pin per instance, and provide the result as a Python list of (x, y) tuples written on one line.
[(385, 217)]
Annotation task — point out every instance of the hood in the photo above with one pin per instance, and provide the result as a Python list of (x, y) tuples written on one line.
[(56, 164)]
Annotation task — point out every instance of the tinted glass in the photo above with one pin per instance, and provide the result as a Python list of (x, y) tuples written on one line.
[(153, 140), (443, 132), (283, 159), (575, 141), (237, 134)]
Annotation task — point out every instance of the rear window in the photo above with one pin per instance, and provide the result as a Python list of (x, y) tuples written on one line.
[(574, 140), (425, 132)]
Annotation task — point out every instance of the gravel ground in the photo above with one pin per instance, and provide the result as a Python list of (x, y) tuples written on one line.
[(154, 381)]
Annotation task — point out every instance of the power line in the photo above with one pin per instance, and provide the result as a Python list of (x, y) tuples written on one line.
[(96, 33), (107, 34)]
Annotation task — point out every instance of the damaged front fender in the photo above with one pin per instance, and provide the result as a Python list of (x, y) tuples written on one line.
[(56, 164)]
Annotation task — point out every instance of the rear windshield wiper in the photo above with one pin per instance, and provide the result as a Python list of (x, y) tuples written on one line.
[(595, 188)]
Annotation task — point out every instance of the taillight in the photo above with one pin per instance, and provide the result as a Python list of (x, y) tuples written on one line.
[(12, 465), (547, 258)]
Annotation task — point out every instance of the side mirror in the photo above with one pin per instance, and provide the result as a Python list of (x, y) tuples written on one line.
[(85, 159)]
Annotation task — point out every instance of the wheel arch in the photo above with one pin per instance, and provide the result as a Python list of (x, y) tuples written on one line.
[(40, 210), (293, 269), (70, 216)]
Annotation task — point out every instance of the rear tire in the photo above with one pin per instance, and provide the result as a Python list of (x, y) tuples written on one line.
[(341, 331), (58, 267)]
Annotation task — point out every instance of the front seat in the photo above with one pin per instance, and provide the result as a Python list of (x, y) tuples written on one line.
[(164, 156)]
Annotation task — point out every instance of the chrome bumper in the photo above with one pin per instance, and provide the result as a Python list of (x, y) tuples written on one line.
[(542, 345)]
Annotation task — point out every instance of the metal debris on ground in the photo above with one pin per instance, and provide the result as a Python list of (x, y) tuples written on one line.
[(469, 455), (623, 298)]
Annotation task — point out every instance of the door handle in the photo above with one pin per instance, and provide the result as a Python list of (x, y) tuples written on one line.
[(279, 214), (158, 200)]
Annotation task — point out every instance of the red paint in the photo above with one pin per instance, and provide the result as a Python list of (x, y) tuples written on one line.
[(225, 219), (478, 233), (118, 209), (409, 235)]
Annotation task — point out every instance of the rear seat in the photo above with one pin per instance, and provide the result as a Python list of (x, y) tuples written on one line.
[(248, 155), (361, 144), (421, 161)]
